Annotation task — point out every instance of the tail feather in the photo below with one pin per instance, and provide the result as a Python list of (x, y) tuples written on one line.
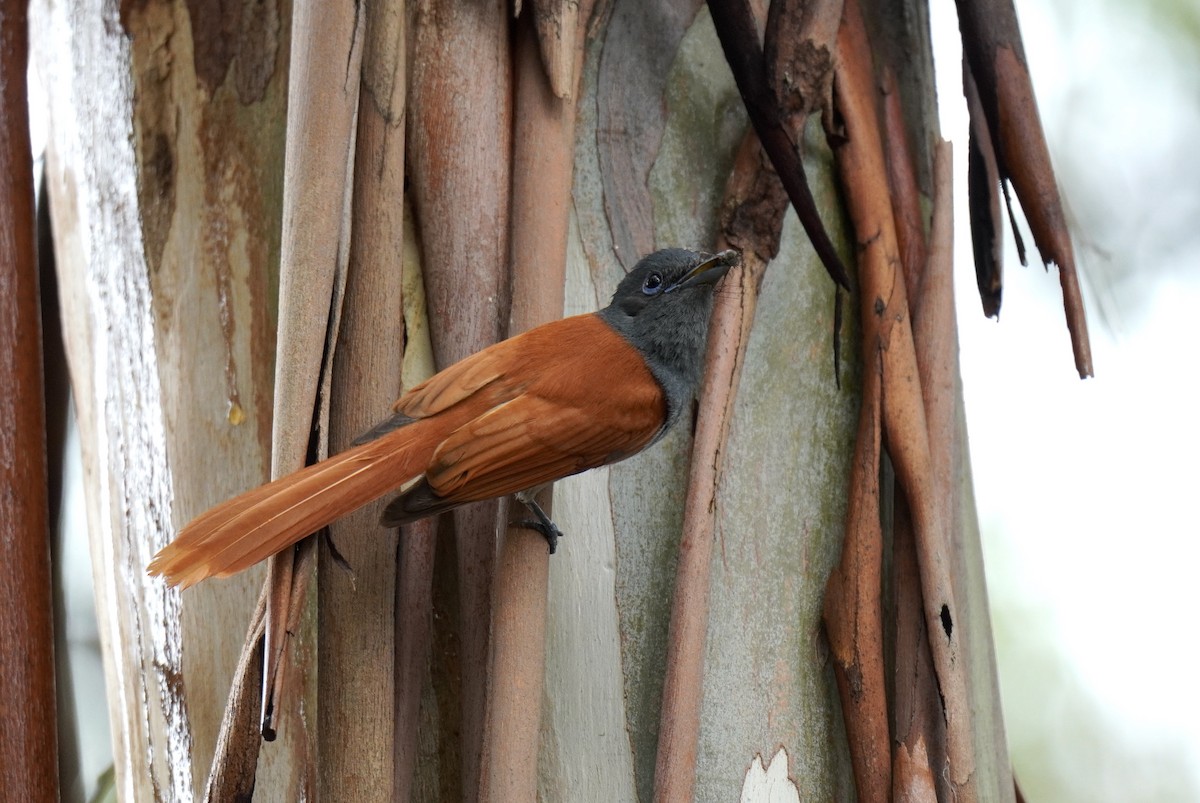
[(255, 525)]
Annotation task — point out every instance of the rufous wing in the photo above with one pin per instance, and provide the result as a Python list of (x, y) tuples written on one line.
[(596, 403)]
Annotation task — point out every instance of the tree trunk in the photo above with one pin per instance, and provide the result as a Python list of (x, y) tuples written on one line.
[(166, 175)]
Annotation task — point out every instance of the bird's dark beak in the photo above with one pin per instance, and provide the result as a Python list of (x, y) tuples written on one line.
[(710, 270)]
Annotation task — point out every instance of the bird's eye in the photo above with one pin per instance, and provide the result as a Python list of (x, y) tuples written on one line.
[(652, 284)]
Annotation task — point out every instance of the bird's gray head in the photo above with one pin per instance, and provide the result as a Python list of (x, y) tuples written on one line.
[(662, 307)]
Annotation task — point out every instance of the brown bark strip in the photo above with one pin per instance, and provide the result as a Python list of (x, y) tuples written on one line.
[(992, 45), (356, 662), (28, 743), (983, 199), (886, 329), (920, 738), (734, 21), (852, 609), (235, 764), (460, 135), (543, 161), (752, 219), (414, 627), (418, 544), (902, 178), (558, 25), (323, 84)]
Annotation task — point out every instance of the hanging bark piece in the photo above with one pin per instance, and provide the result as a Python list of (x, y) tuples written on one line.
[(558, 28), (28, 740), (887, 332), (992, 45), (460, 150), (983, 200), (235, 764), (751, 220), (734, 21), (543, 161)]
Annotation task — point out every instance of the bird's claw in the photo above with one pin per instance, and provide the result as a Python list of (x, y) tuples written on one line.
[(548, 530)]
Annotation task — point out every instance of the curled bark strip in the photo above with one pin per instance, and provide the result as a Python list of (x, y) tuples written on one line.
[(734, 21), (324, 75), (983, 199), (460, 151), (935, 333), (543, 161), (557, 24), (355, 665), (992, 45), (28, 740), (920, 737), (852, 608), (236, 761), (886, 329), (752, 220), (902, 178), (414, 623)]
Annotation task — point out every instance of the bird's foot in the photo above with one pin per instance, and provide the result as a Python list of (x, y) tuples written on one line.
[(548, 530), (542, 524)]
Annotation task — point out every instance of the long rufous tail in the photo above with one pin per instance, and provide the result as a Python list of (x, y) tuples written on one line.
[(255, 525)]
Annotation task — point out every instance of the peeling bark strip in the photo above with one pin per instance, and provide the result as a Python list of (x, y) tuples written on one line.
[(356, 662), (558, 24), (752, 220), (919, 732), (983, 199), (28, 737), (460, 158), (734, 21), (542, 170), (323, 83), (887, 332), (992, 46), (853, 610), (902, 179), (236, 763)]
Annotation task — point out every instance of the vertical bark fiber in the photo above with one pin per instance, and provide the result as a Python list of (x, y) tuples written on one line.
[(460, 141)]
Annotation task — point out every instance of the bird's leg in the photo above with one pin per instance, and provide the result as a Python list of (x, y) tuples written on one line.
[(542, 523)]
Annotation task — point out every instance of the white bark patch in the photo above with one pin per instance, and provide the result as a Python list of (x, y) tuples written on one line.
[(772, 784)]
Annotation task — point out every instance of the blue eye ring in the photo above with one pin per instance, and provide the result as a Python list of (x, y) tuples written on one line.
[(653, 284)]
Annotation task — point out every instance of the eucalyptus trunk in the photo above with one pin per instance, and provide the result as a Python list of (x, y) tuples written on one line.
[(171, 210)]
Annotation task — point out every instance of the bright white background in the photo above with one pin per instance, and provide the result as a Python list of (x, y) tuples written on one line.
[(1085, 489)]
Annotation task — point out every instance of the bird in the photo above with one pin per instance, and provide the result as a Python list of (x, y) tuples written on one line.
[(561, 398)]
